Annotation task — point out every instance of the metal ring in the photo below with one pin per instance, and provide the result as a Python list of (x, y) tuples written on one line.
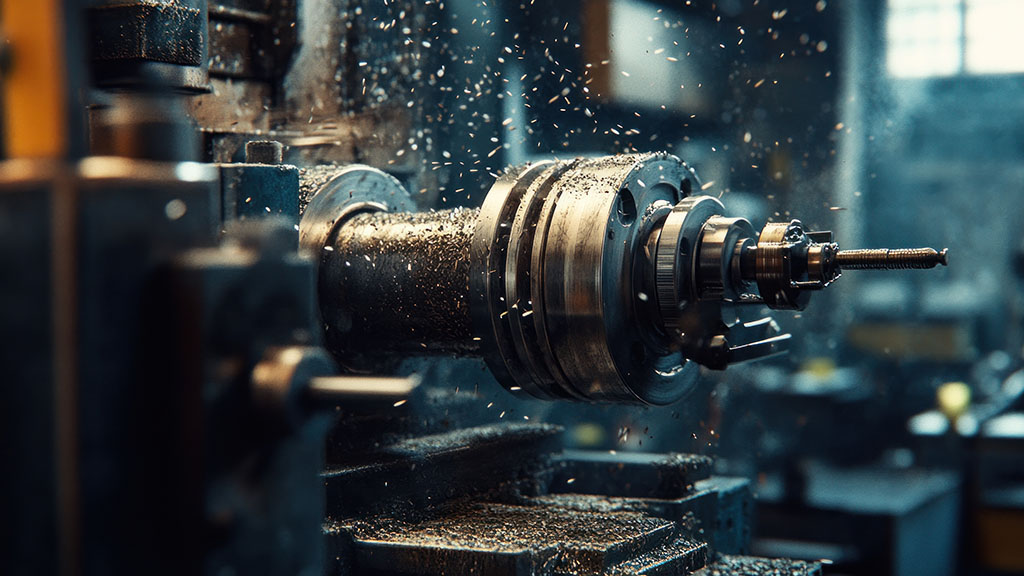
[(675, 260), (528, 331), (772, 266), (594, 243), (352, 190), (715, 254), (487, 284)]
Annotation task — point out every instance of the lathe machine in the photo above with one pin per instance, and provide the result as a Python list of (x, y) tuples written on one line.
[(227, 248)]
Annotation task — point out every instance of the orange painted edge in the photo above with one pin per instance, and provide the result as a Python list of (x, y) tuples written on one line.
[(34, 89)]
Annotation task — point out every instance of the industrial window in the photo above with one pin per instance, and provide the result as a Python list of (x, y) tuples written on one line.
[(948, 37)]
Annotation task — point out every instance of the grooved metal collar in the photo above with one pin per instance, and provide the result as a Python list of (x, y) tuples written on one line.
[(675, 273)]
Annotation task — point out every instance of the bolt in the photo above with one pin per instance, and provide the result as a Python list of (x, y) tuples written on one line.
[(886, 259), (264, 152)]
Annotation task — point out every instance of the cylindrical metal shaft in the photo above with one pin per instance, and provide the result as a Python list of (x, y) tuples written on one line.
[(886, 259), (355, 392), (398, 284)]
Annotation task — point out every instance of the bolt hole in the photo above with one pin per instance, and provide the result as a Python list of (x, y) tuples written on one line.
[(627, 207)]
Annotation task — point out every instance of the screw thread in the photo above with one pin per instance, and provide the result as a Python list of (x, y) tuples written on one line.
[(886, 259)]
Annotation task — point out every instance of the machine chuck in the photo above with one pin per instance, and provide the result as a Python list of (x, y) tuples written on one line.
[(599, 279)]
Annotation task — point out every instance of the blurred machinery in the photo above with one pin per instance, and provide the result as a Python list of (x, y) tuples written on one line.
[(208, 337)]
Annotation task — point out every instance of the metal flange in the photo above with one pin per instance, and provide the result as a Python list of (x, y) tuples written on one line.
[(676, 257), (351, 190)]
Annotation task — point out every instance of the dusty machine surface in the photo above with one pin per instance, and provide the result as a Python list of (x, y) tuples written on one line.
[(281, 278)]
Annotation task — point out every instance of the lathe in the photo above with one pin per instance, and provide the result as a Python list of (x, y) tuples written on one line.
[(225, 260)]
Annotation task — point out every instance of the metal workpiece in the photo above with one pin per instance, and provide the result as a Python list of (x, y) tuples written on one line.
[(397, 283), (722, 243), (599, 279), (329, 197), (545, 281), (886, 259), (788, 263)]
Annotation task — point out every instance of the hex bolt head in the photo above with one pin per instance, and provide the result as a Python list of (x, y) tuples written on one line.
[(264, 152)]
